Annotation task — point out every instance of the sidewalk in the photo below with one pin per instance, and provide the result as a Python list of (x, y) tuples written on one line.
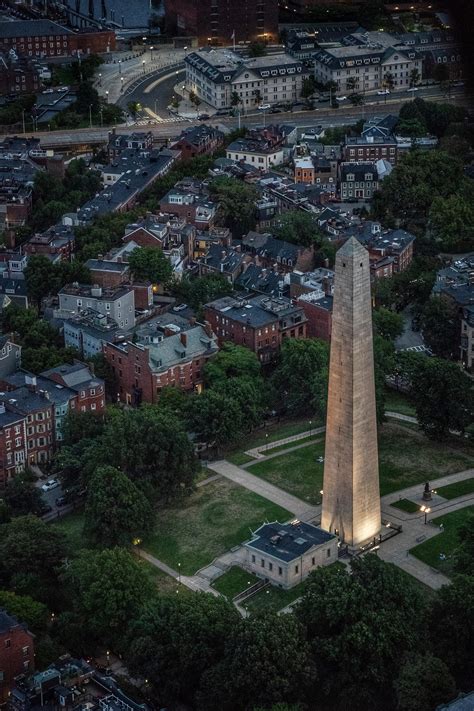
[(267, 447)]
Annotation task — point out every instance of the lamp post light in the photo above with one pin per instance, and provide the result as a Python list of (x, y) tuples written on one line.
[(179, 573), (310, 423), (121, 84), (106, 96), (100, 78), (266, 442), (120, 67), (143, 65), (425, 510), (151, 54), (90, 115)]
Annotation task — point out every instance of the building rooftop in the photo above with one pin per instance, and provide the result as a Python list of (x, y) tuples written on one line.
[(257, 311), (31, 28), (25, 400), (288, 541), (106, 265), (109, 293)]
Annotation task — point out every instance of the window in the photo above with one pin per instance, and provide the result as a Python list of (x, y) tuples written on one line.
[(297, 569), (270, 566), (328, 553), (8, 643), (253, 559), (18, 442), (262, 562), (313, 560), (280, 571)]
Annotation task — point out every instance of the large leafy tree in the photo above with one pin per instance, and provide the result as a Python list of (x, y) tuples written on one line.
[(443, 396), (236, 203), (176, 640), (452, 219), (387, 323), (440, 326), (31, 553), (200, 291), (301, 376), (359, 626), (424, 683), (150, 264), (151, 446), (299, 227), (215, 418), (232, 361), (465, 553), (25, 609), (417, 179), (116, 510), (22, 496), (108, 588), (451, 628), (267, 661)]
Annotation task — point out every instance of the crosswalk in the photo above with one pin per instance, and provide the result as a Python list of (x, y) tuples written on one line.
[(154, 122), (419, 349)]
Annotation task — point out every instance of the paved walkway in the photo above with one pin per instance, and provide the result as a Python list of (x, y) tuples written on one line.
[(301, 509)]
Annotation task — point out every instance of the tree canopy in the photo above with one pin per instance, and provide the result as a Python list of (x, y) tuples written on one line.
[(116, 510), (299, 227), (301, 376), (150, 264)]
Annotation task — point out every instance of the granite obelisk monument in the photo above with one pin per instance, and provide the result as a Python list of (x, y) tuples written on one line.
[(351, 495)]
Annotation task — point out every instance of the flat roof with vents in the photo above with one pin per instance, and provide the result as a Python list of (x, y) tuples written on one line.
[(288, 541)]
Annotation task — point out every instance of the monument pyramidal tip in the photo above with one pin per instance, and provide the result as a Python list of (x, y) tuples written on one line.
[(351, 498)]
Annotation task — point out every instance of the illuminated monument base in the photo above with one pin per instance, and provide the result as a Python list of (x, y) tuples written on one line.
[(351, 498)]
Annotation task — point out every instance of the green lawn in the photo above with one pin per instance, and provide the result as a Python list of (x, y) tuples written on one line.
[(215, 518), (459, 488), (239, 458), (398, 402), (72, 527), (406, 505), (273, 598), (405, 459), (234, 581), (445, 542), (297, 443), (297, 472)]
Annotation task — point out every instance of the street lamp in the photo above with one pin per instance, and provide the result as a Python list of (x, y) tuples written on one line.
[(179, 573), (310, 423), (143, 65), (106, 96), (121, 84), (425, 510), (151, 54), (266, 441), (100, 78), (90, 115)]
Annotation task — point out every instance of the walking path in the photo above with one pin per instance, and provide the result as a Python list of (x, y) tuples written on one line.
[(302, 510), (257, 451)]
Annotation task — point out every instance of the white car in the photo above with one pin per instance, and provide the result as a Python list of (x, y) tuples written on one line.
[(341, 98), (383, 92), (180, 307), (264, 107), (50, 484), (413, 88)]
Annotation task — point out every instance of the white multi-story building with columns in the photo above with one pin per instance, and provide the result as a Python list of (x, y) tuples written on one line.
[(217, 75)]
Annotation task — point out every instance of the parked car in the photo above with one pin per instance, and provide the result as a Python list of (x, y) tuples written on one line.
[(44, 509), (180, 307), (61, 501), (341, 98), (50, 485), (383, 92), (275, 110), (413, 88), (223, 112), (264, 107), (203, 117)]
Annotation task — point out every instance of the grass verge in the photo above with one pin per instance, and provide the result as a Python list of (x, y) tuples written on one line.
[(443, 544), (234, 581)]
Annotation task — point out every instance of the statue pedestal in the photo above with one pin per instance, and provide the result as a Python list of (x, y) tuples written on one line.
[(427, 496)]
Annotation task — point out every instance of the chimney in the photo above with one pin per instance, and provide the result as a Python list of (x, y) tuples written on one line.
[(2, 408), (208, 329), (30, 382), (168, 332), (184, 339)]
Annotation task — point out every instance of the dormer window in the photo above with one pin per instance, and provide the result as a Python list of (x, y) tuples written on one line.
[(350, 177)]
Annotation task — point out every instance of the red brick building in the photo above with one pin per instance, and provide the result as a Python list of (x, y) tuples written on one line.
[(44, 38), (107, 273), (12, 445), (198, 141), (260, 323), (57, 241), (19, 76), (215, 21), (143, 370), (90, 390), (37, 409), (361, 149), (319, 315), (17, 654)]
